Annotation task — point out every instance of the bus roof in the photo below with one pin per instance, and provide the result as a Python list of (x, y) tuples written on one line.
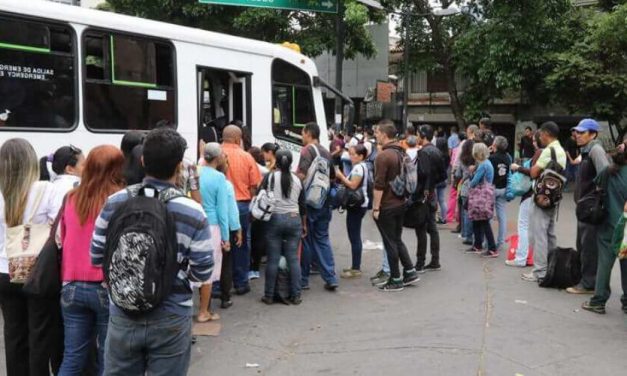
[(114, 21)]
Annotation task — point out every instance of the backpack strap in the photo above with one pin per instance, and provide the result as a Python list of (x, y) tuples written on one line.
[(316, 151), (553, 155)]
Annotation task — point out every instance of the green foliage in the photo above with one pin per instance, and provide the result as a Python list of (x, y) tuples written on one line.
[(591, 76), (314, 32)]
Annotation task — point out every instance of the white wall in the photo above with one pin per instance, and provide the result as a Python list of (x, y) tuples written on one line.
[(90, 3)]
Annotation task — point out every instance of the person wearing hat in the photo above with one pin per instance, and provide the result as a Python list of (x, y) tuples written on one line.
[(593, 160), (213, 190)]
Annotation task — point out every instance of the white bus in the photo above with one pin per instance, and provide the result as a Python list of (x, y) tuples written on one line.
[(76, 76)]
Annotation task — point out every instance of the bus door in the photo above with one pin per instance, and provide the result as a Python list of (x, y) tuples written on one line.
[(223, 99)]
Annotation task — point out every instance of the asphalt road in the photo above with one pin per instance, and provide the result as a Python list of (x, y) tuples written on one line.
[(474, 317)]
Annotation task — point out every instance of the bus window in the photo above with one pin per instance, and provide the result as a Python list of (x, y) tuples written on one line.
[(37, 75), (129, 81), (292, 101)]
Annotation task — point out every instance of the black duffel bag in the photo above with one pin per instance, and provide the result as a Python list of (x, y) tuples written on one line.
[(563, 268), (591, 208)]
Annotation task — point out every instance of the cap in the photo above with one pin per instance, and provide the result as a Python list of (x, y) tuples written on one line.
[(587, 125), (212, 150)]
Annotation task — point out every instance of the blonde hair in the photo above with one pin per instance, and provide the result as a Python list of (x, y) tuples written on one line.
[(480, 151), (19, 170)]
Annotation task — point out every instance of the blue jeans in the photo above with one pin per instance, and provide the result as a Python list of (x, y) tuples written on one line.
[(385, 265), (283, 232), (85, 309), (440, 191), (241, 255), (354, 218), (157, 344), (317, 246), (500, 205), (467, 231)]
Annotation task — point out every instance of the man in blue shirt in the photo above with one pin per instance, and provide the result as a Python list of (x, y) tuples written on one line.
[(159, 342), (453, 139)]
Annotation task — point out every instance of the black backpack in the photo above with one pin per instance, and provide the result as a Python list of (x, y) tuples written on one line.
[(563, 268), (140, 256)]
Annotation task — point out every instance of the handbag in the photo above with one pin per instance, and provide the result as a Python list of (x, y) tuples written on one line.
[(481, 202), (25, 242), (591, 208), (44, 280), (520, 183), (262, 205), (356, 197)]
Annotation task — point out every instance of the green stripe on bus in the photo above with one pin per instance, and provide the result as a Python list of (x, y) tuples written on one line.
[(122, 82), (40, 50)]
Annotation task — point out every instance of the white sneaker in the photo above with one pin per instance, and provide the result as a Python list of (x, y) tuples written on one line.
[(529, 277), (253, 275)]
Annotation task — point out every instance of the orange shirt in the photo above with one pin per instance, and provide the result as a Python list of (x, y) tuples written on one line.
[(243, 171)]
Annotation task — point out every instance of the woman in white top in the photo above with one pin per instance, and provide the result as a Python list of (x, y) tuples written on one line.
[(356, 180), (27, 320), (286, 226), (67, 164)]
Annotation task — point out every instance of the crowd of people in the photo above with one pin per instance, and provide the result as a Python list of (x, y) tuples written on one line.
[(139, 227)]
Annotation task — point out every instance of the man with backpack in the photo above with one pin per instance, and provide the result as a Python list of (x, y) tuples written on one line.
[(549, 184), (388, 208), (593, 161), (152, 241), (431, 172), (316, 172)]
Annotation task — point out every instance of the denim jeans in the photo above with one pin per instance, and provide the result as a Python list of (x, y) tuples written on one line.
[(522, 252), (385, 265), (390, 224), (241, 255), (354, 218), (85, 308), (440, 191), (317, 246), (283, 233), (483, 229), (156, 344), (467, 231), (500, 205)]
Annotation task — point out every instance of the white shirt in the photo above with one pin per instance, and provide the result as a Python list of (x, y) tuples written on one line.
[(360, 169), (63, 184), (45, 213), (412, 153)]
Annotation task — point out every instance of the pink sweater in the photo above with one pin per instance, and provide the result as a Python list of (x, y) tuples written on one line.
[(76, 239)]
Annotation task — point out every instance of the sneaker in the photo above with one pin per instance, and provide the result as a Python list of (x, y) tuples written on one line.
[(226, 304), (579, 290), (392, 286), (314, 270), (379, 274), (296, 300), (242, 290), (253, 275), (490, 254), (467, 242), (433, 267), (420, 269), (410, 278), (350, 274), (267, 300), (331, 286), (529, 277), (514, 264), (593, 308), (381, 280), (440, 222), (473, 250)]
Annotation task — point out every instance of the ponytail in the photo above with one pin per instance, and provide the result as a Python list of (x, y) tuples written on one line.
[(283, 163)]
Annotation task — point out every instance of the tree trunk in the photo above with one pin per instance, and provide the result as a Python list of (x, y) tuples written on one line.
[(456, 106)]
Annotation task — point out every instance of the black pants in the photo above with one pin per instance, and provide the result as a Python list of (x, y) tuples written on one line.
[(589, 251), (428, 226), (33, 331), (390, 224), (226, 276), (257, 244), (483, 229)]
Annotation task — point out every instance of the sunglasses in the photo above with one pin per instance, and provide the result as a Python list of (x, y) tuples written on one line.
[(75, 150)]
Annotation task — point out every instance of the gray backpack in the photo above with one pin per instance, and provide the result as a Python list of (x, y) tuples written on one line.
[(318, 181)]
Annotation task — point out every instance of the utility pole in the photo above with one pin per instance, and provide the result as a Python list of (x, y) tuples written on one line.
[(406, 24), (340, 31)]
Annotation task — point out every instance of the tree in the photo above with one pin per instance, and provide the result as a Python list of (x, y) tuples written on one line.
[(314, 32), (591, 76)]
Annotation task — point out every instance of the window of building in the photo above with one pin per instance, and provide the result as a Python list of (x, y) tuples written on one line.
[(129, 81), (292, 101), (37, 75)]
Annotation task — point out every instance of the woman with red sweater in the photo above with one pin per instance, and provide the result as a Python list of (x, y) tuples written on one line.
[(84, 300)]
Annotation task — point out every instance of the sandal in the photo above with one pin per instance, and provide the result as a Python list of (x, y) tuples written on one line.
[(211, 317)]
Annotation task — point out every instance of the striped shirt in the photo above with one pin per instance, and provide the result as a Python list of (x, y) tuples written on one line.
[(192, 230)]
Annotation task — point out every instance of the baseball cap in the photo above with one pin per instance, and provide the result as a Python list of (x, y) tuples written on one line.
[(212, 150), (587, 125)]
